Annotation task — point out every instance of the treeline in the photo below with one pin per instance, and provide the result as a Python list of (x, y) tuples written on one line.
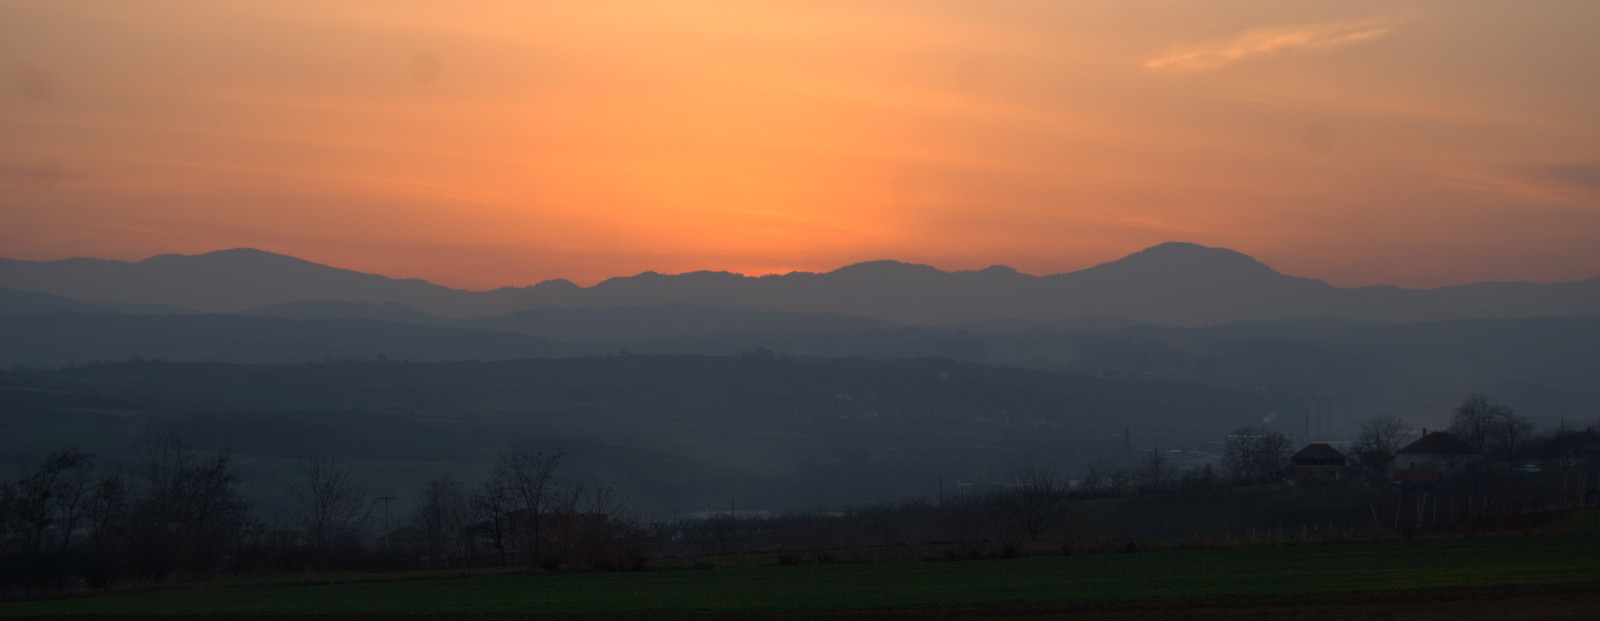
[(523, 514), (179, 514), (62, 525), (1515, 476)]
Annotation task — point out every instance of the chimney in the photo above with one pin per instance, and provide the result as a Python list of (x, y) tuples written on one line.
[(1424, 432)]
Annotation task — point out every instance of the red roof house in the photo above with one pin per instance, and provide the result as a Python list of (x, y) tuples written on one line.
[(1317, 462), (1440, 451)]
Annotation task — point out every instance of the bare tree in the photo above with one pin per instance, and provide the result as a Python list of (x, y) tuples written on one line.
[(109, 518), (1103, 473), (188, 511), (525, 483), (1253, 454), (1487, 425), (1384, 433), (1036, 502), (1474, 420), (604, 500), (327, 506), (1509, 432), (493, 502), (608, 535), (48, 503), (444, 512), (1156, 470)]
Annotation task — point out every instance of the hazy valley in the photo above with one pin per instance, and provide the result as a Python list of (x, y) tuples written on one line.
[(764, 389)]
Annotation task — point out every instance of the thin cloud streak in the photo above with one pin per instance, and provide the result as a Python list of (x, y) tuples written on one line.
[(1262, 41)]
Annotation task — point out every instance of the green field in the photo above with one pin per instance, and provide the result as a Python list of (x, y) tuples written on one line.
[(1044, 580)]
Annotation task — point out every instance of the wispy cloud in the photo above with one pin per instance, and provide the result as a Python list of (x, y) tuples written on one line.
[(1583, 175), (1262, 41)]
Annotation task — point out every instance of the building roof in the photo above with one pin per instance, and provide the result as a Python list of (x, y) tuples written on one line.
[(1318, 450), (1439, 443)]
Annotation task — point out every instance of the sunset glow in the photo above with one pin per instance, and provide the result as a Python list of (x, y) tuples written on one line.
[(485, 144)]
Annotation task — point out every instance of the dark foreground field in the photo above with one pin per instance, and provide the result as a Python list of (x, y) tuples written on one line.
[(1508, 577), (1578, 600)]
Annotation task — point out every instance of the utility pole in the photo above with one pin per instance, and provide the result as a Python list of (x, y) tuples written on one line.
[(385, 500), (1155, 467)]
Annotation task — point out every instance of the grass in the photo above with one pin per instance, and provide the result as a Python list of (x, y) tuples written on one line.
[(908, 585)]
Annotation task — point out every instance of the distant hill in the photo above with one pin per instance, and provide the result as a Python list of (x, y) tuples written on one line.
[(232, 281), (57, 339), (1173, 284), (632, 323), (1545, 365), (340, 309), (18, 302)]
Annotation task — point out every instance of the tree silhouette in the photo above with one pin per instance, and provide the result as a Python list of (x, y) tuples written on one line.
[(1253, 454), (1487, 425), (327, 506), (1384, 433), (1036, 502), (444, 512), (188, 511)]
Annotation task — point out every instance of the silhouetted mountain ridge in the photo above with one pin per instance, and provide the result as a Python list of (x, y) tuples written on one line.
[(1178, 284)]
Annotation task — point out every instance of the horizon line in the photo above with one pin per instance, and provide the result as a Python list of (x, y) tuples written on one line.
[(1172, 243)]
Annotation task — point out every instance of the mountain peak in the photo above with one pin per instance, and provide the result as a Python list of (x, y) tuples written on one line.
[(1188, 258), (557, 285), (1188, 250), (885, 267), (231, 256)]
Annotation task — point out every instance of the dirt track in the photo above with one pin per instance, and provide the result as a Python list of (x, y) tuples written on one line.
[(1544, 601)]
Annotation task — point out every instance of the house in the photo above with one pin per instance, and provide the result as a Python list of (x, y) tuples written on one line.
[(1317, 463), (1432, 457)]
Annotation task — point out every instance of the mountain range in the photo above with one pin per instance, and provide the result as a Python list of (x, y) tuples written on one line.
[(1171, 284)]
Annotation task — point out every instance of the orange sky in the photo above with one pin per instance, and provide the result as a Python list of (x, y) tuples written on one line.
[(480, 144)]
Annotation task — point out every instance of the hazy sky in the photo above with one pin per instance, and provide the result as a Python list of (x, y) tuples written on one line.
[(480, 144)]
